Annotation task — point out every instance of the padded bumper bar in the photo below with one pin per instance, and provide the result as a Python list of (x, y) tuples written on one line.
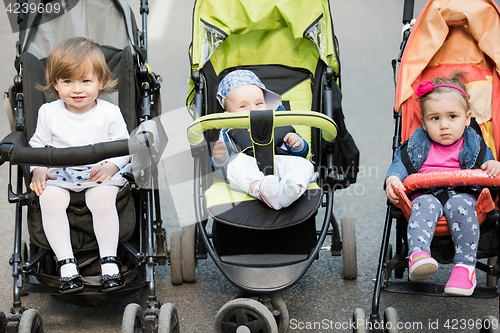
[(50, 156), (242, 120)]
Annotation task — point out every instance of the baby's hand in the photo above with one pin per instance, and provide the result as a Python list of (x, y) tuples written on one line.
[(219, 150), (491, 167), (103, 172), (40, 175), (391, 183), (292, 139)]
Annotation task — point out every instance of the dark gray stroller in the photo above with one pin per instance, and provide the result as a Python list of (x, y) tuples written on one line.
[(142, 238)]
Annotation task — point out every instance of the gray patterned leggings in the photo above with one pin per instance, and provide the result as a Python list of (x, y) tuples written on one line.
[(462, 219)]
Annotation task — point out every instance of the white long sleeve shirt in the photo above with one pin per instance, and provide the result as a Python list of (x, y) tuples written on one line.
[(57, 127)]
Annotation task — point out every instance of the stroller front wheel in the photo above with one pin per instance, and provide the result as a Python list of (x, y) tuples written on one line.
[(133, 319), (31, 322), (168, 320), (245, 315)]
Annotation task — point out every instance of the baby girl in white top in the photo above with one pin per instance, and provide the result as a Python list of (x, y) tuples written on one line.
[(78, 75)]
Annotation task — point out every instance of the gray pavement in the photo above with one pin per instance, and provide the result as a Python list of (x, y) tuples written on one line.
[(369, 34)]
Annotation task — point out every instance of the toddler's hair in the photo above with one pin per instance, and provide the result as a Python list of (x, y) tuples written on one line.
[(72, 58), (456, 78)]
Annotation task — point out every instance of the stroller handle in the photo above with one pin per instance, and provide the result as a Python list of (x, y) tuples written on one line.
[(242, 120), (50, 156)]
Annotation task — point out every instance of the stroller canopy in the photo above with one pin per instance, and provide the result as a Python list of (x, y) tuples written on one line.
[(269, 27), (448, 35), (82, 18)]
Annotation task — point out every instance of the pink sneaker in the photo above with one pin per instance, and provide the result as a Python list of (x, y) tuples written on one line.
[(461, 282), (422, 266)]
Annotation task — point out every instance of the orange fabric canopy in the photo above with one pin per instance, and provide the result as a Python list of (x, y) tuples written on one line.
[(449, 34)]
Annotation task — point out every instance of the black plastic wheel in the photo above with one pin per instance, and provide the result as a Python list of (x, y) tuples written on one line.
[(168, 320), (491, 280), (245, 315), (31, 322), (3, 323), (176, 257), (490, 324), (278, 308), (391, 320), (359, 320), (133, 319), (388, 257), (349, 248), (188, 244)]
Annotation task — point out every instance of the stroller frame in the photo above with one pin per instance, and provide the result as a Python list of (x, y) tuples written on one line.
[(399, 262), (152, 246), (253, 254)]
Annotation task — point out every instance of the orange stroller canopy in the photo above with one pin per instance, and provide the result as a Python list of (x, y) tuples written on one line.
[(448, 35)]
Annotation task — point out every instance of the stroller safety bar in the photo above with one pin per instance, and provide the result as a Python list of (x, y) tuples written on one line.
[(242, 120), (50, 156), (474, 177)]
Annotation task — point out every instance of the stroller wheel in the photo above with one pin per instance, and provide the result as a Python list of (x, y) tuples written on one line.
[(491, 280), (133, 319), (168, 321), (188, 253), (176, 257), (275, 303), (359, 318), (349, 248), (391, 320), (245, 315), (3, 323), (490, 325), (31, 322)]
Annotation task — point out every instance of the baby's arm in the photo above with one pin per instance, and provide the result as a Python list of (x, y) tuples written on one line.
[(103, 172), (40, 175), (491, 167), (391, 183)]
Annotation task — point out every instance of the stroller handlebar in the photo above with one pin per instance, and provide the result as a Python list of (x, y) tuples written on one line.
[(51, 156), (242, 120)]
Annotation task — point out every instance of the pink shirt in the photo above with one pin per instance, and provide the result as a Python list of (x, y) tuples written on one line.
[(443, 158)]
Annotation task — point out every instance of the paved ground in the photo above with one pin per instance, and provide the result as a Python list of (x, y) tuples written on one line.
[(369, 36)]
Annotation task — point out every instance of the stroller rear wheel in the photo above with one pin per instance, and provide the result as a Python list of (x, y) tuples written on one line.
[(133, 319), (359, 318), (176, 257), (3, 322), (168, 321), (188, 254), (245, 315), (391, 320), (31, 322), (349, 248)]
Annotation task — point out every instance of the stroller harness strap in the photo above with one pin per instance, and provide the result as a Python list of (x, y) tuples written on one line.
[(262, 135)]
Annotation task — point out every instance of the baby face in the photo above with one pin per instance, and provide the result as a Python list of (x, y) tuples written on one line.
[(245, 98), (445, 117)]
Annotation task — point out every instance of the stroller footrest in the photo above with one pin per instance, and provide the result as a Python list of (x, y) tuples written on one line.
[(433, 289)]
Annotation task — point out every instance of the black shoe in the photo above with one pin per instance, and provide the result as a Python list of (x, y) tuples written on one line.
[(111, 282), (70, 284)]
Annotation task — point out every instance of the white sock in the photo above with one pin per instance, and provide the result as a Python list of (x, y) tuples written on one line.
[(469, 267), (289, 192), (269, 191)]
